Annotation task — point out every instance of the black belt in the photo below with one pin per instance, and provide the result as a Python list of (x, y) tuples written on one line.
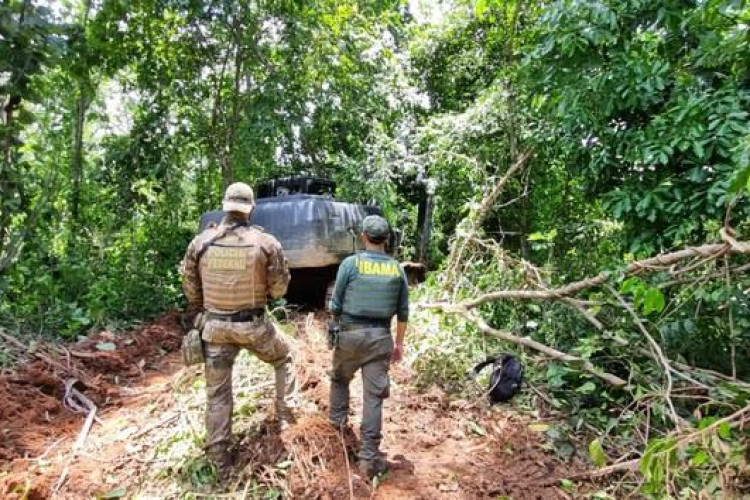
[(238, 317), (362, 322)]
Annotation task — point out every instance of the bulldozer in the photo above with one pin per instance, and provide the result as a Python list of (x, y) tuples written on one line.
[(316, 231)]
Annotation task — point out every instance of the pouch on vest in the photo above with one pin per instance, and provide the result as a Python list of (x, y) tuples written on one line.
[(192, 343), (192, 348)]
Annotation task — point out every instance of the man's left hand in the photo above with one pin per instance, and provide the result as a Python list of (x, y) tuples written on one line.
[(397, 354)]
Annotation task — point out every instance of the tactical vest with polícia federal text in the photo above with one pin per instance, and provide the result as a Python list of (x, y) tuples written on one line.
[(233, 272)]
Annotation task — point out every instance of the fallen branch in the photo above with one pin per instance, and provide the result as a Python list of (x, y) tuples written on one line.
[(81, 440), (474, 221), (549, 351), (657, 352), (87, 355), (732, 420), (164, 421), (714, 250), (75, 400), (43, 357), (483, 326), (49, 449), (695, 279), (730, 317), (704, 252), (489, 201), (711, 374), (627, 466), (348, 465)]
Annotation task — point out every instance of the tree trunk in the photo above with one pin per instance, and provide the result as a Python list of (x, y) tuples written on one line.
[(232, 122), (79, 122), (76, 167), (8, 182)]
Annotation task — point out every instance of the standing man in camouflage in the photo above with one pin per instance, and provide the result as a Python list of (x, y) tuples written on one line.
[(370, 289), (230, 270)]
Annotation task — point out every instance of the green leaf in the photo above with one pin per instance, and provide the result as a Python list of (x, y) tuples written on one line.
[(724, 430), (596, 453), (587, 388), (631, 285), (741, 181), (548, 236), (480, 8), (699, 459), (653, 301), (705, 422), (116, 493), (106, 346), (698, 149), (567, 485)]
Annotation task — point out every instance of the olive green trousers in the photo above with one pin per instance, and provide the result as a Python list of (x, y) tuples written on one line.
[(368, 349)]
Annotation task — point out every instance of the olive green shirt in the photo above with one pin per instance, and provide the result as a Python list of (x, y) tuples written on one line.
[(371, 285)]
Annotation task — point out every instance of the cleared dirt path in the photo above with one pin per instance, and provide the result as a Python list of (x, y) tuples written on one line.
[(147, 442)]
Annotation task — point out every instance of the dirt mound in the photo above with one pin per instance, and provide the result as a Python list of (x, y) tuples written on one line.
[(34, 416)]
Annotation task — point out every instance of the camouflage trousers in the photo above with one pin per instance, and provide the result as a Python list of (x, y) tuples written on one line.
[(369, 349), (223, 341)]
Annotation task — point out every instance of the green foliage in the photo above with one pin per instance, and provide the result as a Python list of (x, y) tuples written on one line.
[(648, 299), (172, 101), (596, 453), (656, 94), (445, 354), (120, 123)]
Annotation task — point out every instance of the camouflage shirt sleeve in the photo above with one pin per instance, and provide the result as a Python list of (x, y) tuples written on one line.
[(190, 271), (277, 269)]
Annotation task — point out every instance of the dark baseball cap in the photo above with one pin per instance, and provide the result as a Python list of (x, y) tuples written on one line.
[(375, 227)]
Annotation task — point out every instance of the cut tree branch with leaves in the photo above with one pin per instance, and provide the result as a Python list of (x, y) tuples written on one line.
[(467, 308)]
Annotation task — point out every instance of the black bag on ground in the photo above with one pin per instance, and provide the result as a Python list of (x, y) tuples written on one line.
[(506, 377)]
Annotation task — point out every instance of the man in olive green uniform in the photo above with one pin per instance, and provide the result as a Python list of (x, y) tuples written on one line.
[(231, 270), (370, 289)]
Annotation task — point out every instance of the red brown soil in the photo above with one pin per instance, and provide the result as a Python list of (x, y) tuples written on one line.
[(33, 419), (438, 448)]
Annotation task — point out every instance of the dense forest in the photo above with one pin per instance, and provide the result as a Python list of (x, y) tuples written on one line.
[(587, 164)]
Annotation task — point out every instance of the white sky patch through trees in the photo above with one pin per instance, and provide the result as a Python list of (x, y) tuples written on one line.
[(429, 11)]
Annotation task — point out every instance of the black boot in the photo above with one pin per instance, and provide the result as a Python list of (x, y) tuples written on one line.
[(372, 468), (223, 461)]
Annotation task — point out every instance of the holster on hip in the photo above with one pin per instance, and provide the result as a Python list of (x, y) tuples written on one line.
[(334, 331)]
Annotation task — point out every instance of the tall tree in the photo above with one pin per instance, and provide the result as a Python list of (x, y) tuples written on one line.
[(28, 44)]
